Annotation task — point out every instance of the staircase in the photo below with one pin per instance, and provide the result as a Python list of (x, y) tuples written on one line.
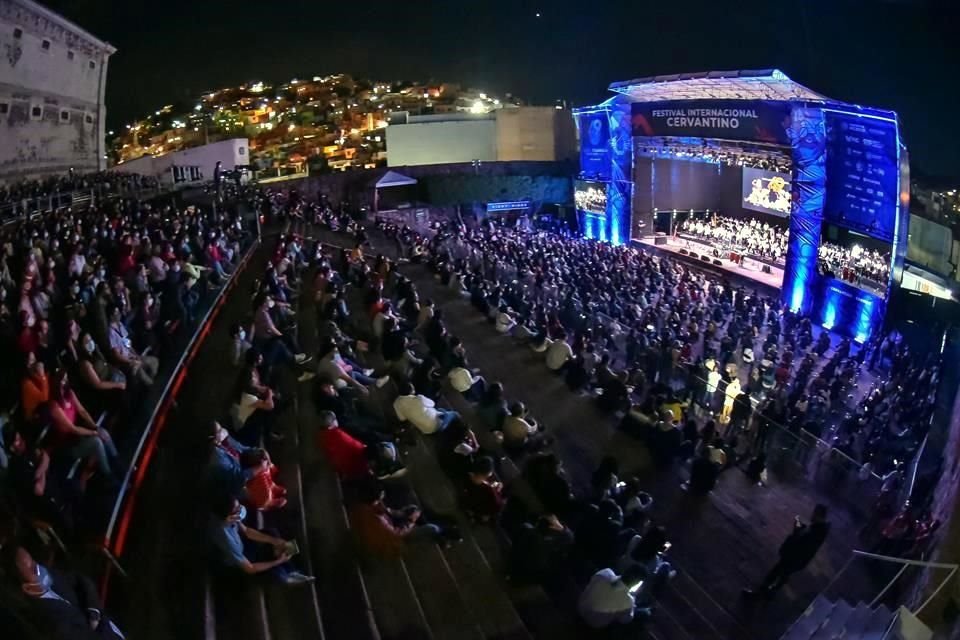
[(826, 620)]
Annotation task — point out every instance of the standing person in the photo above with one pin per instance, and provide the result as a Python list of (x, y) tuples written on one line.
[(796, 552)]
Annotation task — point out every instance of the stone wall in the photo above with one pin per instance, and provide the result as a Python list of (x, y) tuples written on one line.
[(357, 186)]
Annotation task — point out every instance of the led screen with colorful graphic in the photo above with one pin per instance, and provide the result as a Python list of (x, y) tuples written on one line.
[(766, 191)]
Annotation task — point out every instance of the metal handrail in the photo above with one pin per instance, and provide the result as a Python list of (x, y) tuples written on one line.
[(916, 563), (162, 401)]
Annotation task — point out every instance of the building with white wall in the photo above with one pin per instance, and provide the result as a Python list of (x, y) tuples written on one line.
[(195, 164), (53, 77), (502, 135)]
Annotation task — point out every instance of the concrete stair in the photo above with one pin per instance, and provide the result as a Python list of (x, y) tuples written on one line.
[(826, 620)]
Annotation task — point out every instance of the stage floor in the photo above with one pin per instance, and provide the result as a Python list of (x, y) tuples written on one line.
[(750, 269)]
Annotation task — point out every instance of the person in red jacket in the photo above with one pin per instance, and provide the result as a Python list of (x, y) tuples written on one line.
[(346, 454), (352, 459)]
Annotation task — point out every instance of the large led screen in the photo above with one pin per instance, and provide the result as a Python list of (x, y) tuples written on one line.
[(590, 197), (766, 191)]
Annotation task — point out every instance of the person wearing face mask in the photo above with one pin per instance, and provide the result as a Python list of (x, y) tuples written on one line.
[(101, 385), (277, 346), (143, 368), (241, 344), (62, 605), (247, 550), (146, 324)]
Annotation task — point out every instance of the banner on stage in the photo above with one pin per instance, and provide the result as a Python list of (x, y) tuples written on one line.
[(757, 120)]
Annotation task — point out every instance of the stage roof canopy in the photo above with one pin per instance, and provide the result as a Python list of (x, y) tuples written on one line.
[(394, 179), (764, 84)]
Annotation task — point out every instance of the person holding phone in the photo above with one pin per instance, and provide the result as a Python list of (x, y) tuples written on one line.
[(244, 548), (608, 598)]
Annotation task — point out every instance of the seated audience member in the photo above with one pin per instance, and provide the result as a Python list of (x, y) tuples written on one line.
[(242, 548), (471, 386), (35, 388), (426, 377), (278, 347), (345, 454), (425, 315), (394, 347), (254, 404), (121, 347), (482, 496), (703, 474), (75, 434), (421, 411), (224, 473), (145, 325), (504, 320), (384, 531), (645, 554), (558, 353), (38, 492), (545, 474), (351, 458), (605, 481), (63, 605), (540, 550), (520, 431), (634, 502), (96, 378), (261, 490), (607, 599), (598, 534), (350, 416), (492, 408), (457, 449), (240, 344), (343, 372)]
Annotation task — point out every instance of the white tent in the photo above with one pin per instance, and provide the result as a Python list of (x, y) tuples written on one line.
[(390, 179), (394, 179)]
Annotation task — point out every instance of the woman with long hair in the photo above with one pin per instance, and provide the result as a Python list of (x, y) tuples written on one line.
[(76, 434)]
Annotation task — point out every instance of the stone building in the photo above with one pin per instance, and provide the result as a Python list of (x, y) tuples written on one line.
[(53, 77)]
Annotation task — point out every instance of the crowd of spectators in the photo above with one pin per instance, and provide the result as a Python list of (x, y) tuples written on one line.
[(704, 372), (93, 304), (16, 196), (854, 264), (748, 236)]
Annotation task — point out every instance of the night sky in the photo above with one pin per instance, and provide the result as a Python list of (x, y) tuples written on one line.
[(897, 54)]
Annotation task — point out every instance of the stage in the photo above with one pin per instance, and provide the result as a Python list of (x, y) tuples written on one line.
[(690, 251)]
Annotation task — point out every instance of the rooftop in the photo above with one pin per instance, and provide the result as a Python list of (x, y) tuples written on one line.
[(764, 84)]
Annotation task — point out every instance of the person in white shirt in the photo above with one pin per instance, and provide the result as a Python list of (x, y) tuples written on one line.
[(504, 321), (519, 429), (421, 411), (713, 381), (607, 598), (462, 379), (558, 353)]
